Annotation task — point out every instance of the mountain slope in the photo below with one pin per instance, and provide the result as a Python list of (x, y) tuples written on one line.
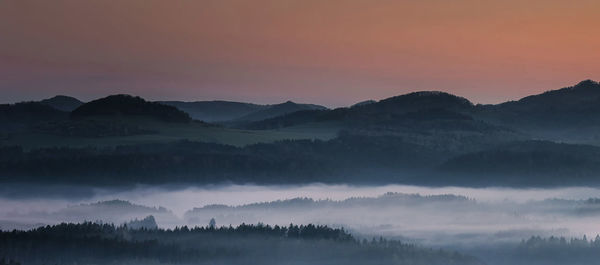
[(417, 101), (23, 115), (576, 106), (64, 103), (366, 102), (278, 110), (29, 112), (387, 109), (119, 106), (215, 111)]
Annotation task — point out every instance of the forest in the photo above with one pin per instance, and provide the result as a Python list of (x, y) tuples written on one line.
[(93, 243), (350, 157)]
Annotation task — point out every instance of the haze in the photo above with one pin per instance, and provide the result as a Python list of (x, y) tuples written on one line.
[(489, 216)]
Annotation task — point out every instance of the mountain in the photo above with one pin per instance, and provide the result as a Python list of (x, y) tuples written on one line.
[(113, 211), (573, 107), (64, 103), (569, 114), (119, 106), (215, 111), (399, 139), (366, 102), (35, 118), (387, 109), (29, 112), (237, 112), (110, 209), (278, 110), (417, 101), (23, 115), (578, 97), (343, 212), (389, 198)]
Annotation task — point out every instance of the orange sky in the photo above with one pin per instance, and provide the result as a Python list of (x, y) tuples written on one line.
[(329, 52)]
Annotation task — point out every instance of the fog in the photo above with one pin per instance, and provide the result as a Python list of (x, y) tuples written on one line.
[(471, 216), (181, 199)]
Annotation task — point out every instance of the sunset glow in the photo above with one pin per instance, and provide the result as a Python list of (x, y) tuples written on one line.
[(333, 53)]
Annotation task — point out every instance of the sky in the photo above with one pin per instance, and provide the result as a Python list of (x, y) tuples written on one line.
[(329, 52)]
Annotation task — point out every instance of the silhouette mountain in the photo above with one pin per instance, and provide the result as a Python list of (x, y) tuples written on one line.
[(228, 112), (118, 106), (278, 110), (585, 92), (113, 211), (388, 109), (64, 103), (215, 111), (366, 102), (391, 140), (576, 106), (418, 101), (22, 115)]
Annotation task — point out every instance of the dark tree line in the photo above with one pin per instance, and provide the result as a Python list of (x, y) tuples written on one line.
[(350, 157), (529, 163), (553, 251), (244, 244), (342, 159)]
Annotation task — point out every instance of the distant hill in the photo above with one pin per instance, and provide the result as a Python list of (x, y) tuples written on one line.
[(29, 112), (390, 198), (301, 208), (35, 117), (546, 139), (113, 211), (228, 112), (366, 102), (576, 106), (417, 101), (215, 111), (569, 114), (23, 115), (111, 208), (385, 110), (64, 103), (118, 106), (278, 110), (585, 92)]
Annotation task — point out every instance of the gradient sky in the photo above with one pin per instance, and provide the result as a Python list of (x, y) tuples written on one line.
[(327, 52)]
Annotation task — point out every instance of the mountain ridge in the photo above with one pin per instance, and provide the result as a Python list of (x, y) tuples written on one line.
[(278, 110), (127, 105), (215, 110), (63, 103)]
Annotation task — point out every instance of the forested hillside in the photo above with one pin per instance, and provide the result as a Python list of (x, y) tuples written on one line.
[(90, 243), (429, 137)]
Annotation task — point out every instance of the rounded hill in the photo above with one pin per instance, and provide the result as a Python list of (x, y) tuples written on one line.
[(130, 106)]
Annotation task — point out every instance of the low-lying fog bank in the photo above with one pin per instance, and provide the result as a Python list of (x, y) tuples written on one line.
[(436, 216)]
